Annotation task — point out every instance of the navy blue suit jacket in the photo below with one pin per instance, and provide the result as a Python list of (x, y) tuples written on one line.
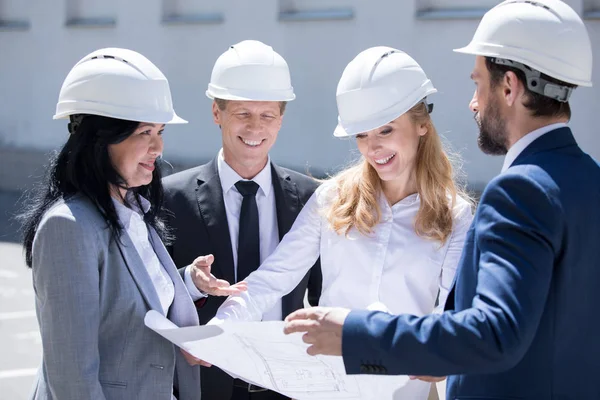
[(523, 321)]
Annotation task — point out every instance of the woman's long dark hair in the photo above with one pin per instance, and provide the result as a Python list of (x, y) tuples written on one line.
[(83, 166)]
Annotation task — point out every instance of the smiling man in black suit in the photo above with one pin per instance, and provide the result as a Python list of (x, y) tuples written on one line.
[(236, 208)]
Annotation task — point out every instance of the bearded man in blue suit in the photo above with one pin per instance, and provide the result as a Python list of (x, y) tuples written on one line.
[(522, 319)]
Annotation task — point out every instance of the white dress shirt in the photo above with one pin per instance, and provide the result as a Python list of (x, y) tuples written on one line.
[(391, 270), (133, 223), (267, 217), (525, 141), (132, 220)]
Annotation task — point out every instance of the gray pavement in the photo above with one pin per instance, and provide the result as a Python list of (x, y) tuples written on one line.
[(20, 344)]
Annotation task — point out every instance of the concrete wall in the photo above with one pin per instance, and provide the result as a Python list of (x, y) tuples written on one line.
[(41, 40)]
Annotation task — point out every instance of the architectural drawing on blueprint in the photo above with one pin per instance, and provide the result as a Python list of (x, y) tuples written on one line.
[(300, 377), (260, 353)]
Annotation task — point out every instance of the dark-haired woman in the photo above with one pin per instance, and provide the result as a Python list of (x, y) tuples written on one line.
[(93, 238)]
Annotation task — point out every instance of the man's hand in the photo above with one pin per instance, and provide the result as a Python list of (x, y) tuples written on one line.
[(430, 379), (323, 327), (193, 360), (207, 283)]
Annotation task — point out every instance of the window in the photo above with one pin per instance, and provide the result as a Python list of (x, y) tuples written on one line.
[(91, 13), (13, 14), (591, 9), (192, 12), (315, 10), (453, 9)]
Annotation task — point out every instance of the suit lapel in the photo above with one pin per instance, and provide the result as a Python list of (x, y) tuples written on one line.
[(287, 202), (211, 205), (449, 306), (182, 312), (138, 272)]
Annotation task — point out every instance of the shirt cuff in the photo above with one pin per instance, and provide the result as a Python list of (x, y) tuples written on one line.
[(195, 293)]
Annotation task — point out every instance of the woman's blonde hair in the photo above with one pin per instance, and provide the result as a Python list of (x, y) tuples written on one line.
[(359, 187)]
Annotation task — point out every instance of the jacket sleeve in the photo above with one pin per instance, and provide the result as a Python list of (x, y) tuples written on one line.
[(518, 227), (66, 265), (314, 286)]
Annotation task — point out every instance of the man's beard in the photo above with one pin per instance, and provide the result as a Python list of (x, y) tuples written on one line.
[(492, 130)]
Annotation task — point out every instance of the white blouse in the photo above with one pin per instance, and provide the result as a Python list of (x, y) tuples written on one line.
[(135, 226), (392, 270), (133, 222)]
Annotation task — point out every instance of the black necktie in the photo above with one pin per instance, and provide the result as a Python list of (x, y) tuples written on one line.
[(248, 238)]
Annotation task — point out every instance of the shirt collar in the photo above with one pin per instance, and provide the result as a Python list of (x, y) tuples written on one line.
[(125, 213), (525, 141), (229, 177), (408, 201)]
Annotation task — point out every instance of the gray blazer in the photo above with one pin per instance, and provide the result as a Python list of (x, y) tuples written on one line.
[(91, 295)]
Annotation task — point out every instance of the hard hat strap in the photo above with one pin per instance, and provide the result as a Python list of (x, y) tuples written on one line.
[(428, 106), (536, 83), (75, 122)]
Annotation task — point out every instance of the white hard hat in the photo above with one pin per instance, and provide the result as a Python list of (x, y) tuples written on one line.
[(251, 70), (546, 35), (377, 87), (117, 83)]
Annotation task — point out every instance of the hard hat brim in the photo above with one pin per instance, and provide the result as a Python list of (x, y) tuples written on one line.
[(491, 51), (394, 113), (173, 120), (341, 132), (177, 120), (242, 95)]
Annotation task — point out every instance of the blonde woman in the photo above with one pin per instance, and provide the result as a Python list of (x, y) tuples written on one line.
[(389, 230)]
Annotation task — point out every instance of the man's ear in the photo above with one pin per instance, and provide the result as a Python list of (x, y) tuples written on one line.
[(216, 112), (512, 88)]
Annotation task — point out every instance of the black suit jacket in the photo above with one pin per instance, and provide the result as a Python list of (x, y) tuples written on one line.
[(196, 213)]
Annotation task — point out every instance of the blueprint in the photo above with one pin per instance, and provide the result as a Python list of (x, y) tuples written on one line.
[(260, 353)]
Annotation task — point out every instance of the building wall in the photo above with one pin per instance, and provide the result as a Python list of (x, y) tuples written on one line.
[(41, 40)]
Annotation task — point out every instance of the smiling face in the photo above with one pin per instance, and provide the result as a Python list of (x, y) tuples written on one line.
[(249, 130), (392, 149), (134, 157)]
